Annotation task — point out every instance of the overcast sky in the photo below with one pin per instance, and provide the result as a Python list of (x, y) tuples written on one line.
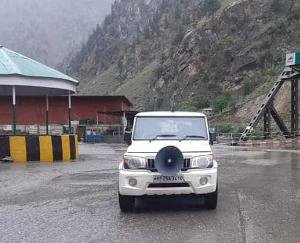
[(48, 30)]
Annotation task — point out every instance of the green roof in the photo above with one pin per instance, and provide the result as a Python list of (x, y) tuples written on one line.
[(12, 63)]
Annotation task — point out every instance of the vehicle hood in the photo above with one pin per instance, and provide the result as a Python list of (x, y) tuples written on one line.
[(186, 146)]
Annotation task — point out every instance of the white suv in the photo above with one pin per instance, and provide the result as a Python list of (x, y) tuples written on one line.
[(169, 154)]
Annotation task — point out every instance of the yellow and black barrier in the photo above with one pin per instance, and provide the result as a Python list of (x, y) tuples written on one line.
[(39, 148)]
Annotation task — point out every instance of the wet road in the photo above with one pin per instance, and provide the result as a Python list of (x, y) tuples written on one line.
[(259, 201)]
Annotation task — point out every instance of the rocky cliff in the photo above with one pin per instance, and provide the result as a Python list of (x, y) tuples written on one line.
[(189, 54)]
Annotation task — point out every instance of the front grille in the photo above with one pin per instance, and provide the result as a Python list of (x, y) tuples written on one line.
[(186, 164), (168, 185), (151, 166)]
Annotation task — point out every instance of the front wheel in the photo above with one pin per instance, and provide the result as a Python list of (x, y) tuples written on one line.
[(211, 200), (126, 203)]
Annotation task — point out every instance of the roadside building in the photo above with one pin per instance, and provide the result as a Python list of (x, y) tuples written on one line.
[(38, 100), (85, 109), (21, 76), (89, 114), (207, 111)]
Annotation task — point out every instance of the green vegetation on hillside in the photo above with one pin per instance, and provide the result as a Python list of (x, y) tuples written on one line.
[(190, 54)]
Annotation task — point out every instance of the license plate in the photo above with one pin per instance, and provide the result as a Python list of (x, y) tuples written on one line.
[(168, 179)]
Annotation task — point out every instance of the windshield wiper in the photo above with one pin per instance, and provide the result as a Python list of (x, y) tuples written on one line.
[(162, 136), (190, 136)]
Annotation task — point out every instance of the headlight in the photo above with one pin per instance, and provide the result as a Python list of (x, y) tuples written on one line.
[(202, 162), (134, 162)]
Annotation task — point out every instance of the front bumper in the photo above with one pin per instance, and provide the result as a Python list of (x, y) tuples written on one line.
[(145, 178)]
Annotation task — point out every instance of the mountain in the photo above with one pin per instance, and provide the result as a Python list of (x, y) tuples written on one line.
[(189, 54), (49, 30)]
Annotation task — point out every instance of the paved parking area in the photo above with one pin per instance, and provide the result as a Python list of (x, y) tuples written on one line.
[(259, 201)]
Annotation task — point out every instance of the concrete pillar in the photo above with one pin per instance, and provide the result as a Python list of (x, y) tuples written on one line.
[(124, 121), (47, 115), (14, 122), (69, 113)]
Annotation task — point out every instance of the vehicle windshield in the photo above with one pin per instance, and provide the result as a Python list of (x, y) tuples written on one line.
[(170, 128)]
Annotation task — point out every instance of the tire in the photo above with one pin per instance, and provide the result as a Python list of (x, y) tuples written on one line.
[(211, 200), (126, 203)]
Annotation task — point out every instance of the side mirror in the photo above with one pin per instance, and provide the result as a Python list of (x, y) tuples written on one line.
[(127, 137), (211, 138)]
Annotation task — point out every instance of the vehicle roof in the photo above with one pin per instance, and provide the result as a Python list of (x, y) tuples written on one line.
[(170, 113)]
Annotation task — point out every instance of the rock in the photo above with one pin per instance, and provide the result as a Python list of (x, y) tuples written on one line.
[(243, 62), (201, 48), (7, 159)]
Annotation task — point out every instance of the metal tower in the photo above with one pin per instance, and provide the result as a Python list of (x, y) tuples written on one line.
[(267, 110)]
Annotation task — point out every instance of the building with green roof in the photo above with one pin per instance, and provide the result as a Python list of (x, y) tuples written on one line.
[(22, 76), (31, 77)]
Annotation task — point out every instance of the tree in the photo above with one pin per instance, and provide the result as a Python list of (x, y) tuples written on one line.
[(221, 102), (194, 105)]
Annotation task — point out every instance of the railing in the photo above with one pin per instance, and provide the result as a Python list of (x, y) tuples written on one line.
[(54, 129), (102, 133), (234, 138)]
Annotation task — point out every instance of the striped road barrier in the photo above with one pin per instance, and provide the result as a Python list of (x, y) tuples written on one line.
[(39, 148)]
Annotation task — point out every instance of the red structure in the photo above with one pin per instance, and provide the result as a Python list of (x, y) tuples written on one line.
[(32, 110)]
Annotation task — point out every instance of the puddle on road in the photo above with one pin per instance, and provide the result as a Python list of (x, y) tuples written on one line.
[(295, 161), (83, 176), (105, 177), (253, 156), (25, 165), (293, 145)]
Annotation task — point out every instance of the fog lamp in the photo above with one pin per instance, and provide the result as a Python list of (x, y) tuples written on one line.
[(203, 181), (132, 181)]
